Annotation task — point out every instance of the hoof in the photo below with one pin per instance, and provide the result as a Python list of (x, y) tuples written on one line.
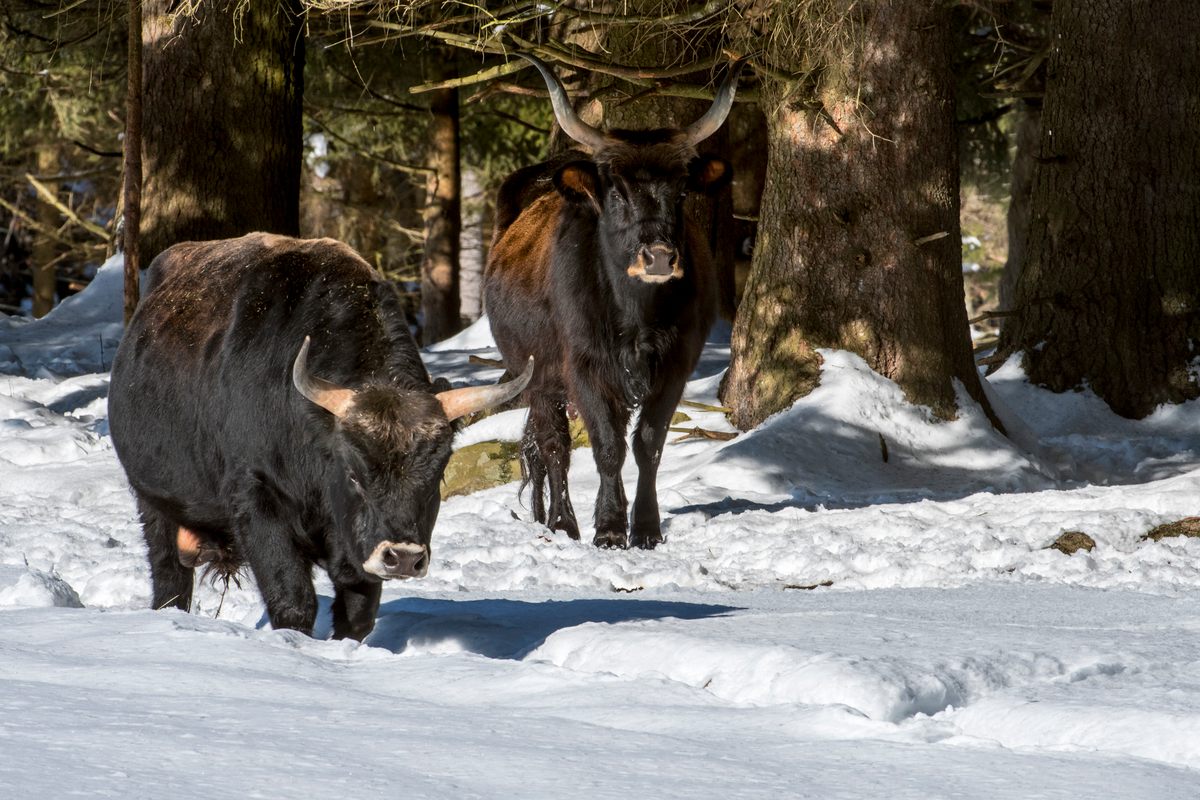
[(610, 540), (569, 528), (647, 541)]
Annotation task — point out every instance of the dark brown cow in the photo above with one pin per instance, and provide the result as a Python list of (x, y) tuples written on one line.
[(595, 273), (241, 446)]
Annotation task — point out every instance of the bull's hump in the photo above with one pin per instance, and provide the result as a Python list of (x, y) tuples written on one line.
[(252, 272)]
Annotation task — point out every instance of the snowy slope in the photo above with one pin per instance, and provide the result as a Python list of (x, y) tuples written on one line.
[(952, 655)]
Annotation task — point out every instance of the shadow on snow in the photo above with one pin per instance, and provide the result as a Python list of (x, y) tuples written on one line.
[(502, 628)]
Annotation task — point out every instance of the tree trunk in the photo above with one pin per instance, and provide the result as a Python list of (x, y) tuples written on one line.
[(1029, 129), (443, 222), (859, 244), (44, 254), (1110, 294), (131, 191), (222, 130)]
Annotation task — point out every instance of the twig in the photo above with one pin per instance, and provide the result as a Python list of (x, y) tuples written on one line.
[(933, 237), (44, 230), (993, 315), (995, 358), (485, 362), (417, 169), (482, 76), (47, 195), (705, 407)]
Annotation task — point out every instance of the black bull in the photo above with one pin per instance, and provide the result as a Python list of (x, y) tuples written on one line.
[(596, 275), (242, 446)]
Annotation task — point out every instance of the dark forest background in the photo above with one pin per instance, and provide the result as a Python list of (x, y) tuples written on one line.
[(900, 167)]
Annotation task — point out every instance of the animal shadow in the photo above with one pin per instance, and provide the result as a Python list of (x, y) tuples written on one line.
[(509, 629)]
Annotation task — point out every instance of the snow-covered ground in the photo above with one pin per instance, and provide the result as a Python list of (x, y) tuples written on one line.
[(950, 655)]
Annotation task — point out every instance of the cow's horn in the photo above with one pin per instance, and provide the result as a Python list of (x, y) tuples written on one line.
[(329, 396), (564, 112), (714, 118), (460, 402)]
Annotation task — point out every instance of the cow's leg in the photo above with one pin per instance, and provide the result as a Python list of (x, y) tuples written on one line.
[(606, 419), (264, 532), (171, 581), (648, 439), (354, 608), (535, 473), (549, 429)]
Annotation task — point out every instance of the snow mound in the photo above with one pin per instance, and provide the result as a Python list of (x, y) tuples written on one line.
[(856, 437), (1090, 442), (79, 335), (25, 587), (476, 336)]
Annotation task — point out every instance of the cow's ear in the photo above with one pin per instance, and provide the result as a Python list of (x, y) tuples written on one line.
[(579, 182), (709, 174)]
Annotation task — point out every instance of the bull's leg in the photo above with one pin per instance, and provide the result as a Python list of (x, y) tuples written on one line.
[(549, 430), (606, 419), (354, 608), (265, 536), (171, 581), (648, 441), (535, 474)]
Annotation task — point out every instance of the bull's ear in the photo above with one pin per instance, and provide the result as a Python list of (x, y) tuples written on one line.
[(579, 182), (709, 174)]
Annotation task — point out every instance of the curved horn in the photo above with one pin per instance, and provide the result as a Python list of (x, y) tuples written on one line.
[(329, 396), (460, 402), (564, 112), (714, 118)]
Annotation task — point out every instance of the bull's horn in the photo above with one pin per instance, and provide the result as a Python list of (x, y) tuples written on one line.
[(564, 112), (329, 396), (714, 118), (460, 402)]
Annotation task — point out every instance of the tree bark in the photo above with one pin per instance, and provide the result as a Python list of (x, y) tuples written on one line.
[(443, 223), (1029, 129), (222, 120), (858, 243), (131, 242), (44, 255), (1110, 294)]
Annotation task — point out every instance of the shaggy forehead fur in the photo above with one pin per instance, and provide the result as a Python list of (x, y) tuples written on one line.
[(662, 150), (393, 419)]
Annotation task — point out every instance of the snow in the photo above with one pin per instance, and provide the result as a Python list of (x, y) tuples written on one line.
[(949, 655)]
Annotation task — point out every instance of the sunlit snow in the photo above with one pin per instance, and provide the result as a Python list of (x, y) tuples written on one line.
[(945, 651)]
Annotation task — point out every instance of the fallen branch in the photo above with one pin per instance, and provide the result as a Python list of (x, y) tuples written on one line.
[(704, 407), (808, 587), (701, 433)]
